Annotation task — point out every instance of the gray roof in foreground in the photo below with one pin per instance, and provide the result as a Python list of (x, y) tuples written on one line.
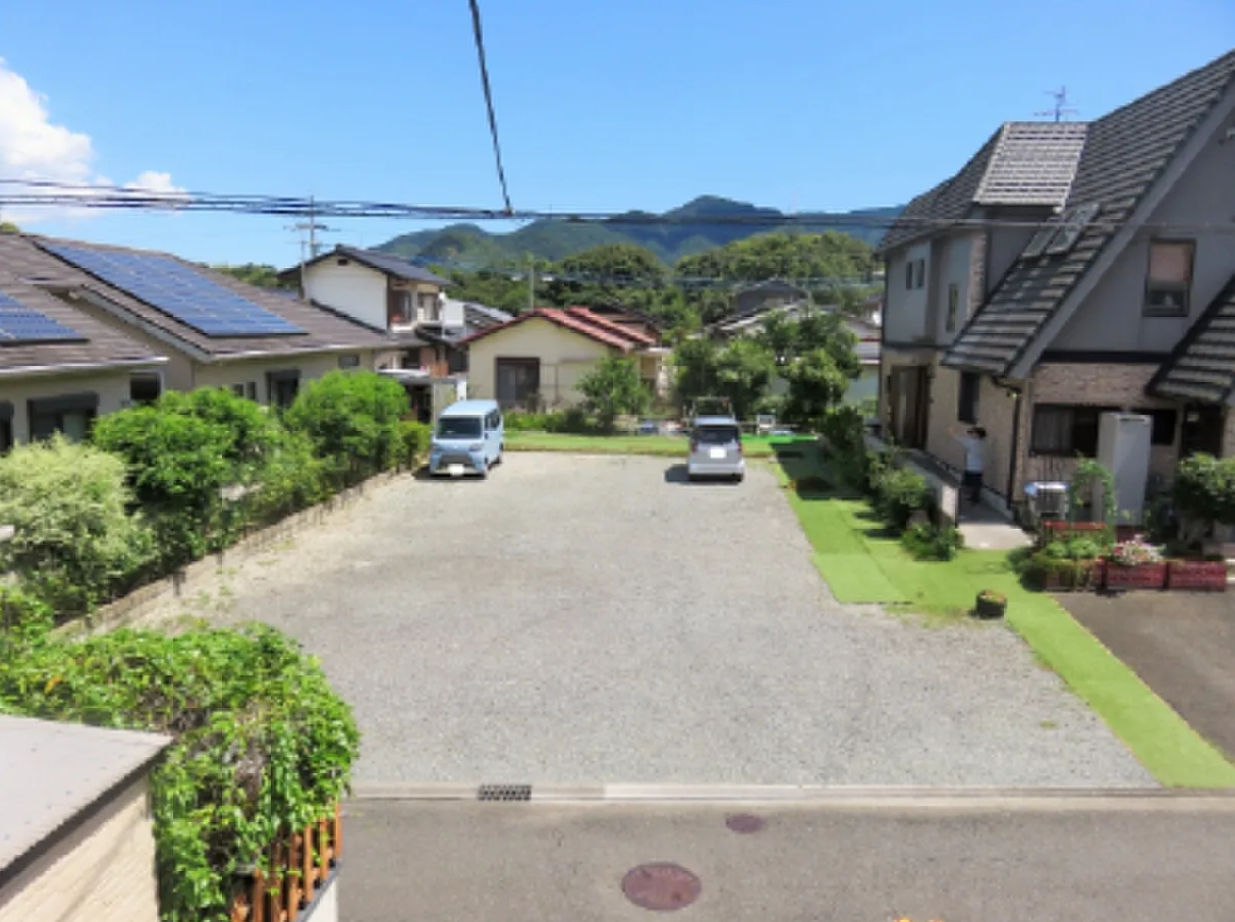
[(50, 772)]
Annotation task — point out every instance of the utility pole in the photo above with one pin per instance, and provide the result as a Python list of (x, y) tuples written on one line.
[(1060, 109), (312, 246)]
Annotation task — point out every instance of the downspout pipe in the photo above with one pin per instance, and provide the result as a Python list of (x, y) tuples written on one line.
[(1017, 394)]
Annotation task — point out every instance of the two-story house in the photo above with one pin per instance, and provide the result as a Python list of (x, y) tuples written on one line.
[(1067, 270)]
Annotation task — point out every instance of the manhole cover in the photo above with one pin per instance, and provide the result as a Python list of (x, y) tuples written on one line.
[(744, 822), (661, 887)]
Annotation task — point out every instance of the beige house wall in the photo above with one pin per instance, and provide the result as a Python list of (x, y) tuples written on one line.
[(564, 357), (177, 371), (112, 388), (310, 366), (103, 871)]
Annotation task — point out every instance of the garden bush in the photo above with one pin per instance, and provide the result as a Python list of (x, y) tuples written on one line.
[(613, 388), (844, 429), (293, 478), (353, 421), (178, 466), (414, 439), (899, 493), (262, 744), (1204, 492), (571, 421), (76, 543), (931, 542), (23, 619), (522, 421)]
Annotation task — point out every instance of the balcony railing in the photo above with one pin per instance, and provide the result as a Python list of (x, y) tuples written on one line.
[(292, 872)]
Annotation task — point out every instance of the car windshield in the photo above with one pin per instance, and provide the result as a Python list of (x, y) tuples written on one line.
[(717, 435), (458, 427)]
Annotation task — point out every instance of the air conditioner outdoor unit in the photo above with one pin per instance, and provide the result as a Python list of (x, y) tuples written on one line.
[(1047, 500)]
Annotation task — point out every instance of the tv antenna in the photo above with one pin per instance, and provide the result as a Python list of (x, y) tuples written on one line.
[(1060, 111)]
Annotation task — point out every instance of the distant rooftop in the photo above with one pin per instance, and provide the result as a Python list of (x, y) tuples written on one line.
[(51, 772)]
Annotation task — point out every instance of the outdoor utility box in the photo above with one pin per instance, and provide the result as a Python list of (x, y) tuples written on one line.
[(1124, 441)]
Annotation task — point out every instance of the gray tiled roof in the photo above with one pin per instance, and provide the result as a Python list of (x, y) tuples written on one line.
[(1202, 367), (103, 345), (1124, 153), (51, 772), (383, 262), (1033, 164), (1023, 163), (21, 256)]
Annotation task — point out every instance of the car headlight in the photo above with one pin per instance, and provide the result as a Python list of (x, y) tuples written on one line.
[(476, 446)]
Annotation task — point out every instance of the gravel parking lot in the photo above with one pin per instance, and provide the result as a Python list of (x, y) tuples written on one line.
[(582, 619)]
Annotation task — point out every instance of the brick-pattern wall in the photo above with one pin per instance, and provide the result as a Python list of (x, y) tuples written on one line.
[(101, 872), (977, 276), (1106, 385), (1228, 434)]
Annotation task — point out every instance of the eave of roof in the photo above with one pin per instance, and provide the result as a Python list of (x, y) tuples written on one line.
[(562, 318), (1202, 366)]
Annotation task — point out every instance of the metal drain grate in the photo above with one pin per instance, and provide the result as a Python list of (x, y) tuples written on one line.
[(508, 792)]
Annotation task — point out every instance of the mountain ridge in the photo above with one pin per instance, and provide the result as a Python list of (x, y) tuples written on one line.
[(705, 222)]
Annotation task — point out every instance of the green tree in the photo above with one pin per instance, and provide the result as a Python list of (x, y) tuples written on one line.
[(259, 274), (614, 388), (743, 368), (352, 420), (74, 541), (8, 227), (789, 338), (816, 385), (694, 369)]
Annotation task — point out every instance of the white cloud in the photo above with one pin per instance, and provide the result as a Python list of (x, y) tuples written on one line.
[(32, 147)]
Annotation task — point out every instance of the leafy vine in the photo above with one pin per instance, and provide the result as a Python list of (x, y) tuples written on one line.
[(1089, 473)]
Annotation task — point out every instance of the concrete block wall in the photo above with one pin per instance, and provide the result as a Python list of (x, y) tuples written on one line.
[(103, 871)]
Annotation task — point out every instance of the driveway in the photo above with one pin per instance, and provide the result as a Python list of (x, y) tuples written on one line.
[(583, 619), (1182, 645)]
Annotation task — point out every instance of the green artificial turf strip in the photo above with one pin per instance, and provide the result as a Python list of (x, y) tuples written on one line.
[(842, 531), (856, 578), (661, 446)]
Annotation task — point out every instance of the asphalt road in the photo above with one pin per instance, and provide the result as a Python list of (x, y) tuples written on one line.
[(596, 619), (1119, 859)]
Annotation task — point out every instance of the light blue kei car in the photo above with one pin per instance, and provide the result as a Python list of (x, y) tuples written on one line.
[(468, 439)]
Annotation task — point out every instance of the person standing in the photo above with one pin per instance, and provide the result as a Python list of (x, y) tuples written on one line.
[(974, 441)]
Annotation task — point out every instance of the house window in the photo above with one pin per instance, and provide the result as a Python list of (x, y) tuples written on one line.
[(349, 361), (6, 426), (427, 306), (71, 415), (145, 387), (282, 387), (398, 308), (919, 273), (954, 305), (518, 381), (909, 274), (1066, 430), (1169, 282), (1164, 425), (967, 405)]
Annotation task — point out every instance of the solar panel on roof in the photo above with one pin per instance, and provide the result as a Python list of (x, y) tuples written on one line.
[(178, 291), (23, 325), (1073, 223)]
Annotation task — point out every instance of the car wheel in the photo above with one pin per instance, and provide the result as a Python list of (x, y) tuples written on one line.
[(737, 478)]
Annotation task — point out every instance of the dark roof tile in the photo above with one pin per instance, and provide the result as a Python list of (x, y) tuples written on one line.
[(1202, 367)]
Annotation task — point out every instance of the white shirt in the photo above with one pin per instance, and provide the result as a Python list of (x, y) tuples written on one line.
[(973, 453)]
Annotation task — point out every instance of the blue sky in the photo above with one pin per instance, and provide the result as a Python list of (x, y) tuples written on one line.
[(602, 104)]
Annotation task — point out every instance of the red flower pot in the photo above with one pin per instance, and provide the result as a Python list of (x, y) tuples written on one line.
[(1144, 576), (1197, 575)]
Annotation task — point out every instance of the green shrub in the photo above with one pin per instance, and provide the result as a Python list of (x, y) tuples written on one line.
[(353, 421), (572, 421), (75, 542), (24, 619), (520, 421), (293, 478), (844, 429), (1204, 489), (613, 388), (178, 466), (930, 542), (262, 744), (899, 493), (414, 438), (254, 433)]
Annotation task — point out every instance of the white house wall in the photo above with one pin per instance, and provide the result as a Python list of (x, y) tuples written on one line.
[(112, 388), (564, 356), (905, 314), (310, 366), (354, 289)]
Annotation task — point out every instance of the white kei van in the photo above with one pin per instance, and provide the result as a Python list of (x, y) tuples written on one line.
[(468, 439)]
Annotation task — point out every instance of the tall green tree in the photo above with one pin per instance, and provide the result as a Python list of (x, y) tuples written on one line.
[(744, 367), (614, 388)]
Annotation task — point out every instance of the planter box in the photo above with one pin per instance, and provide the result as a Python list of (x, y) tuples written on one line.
[(1088, 575), (1197, 575), (1145, 576)]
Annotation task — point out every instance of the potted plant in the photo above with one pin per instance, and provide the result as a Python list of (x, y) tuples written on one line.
[(990, 604), (1135, 564)]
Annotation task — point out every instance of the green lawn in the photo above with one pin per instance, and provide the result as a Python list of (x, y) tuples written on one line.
[(861, 564), (663, 446)]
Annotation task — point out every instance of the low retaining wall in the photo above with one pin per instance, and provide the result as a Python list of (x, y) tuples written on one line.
[(141, 602), (947, 496)]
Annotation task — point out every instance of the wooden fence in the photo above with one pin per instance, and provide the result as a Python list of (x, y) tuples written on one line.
[(294, 870)]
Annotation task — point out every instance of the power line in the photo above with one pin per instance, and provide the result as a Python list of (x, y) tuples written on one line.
[(53, 194), (484, 81)]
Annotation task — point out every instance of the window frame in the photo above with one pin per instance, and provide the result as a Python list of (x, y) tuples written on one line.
[(909, 274), (157, 376), (6, 426), (59, 407), (954, 306), (275, 378), (1073, 409), (1151, 310), (968, 397), (919, 273), (349, 361)]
